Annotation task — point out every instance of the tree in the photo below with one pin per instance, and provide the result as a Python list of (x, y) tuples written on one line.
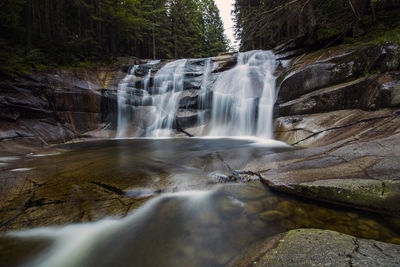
[(312, 23)]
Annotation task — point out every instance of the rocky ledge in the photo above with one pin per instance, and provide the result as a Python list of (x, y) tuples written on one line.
[(340, 107), (54, 107), (324, 248)]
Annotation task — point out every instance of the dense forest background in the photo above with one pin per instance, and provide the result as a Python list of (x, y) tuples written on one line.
[(263, 24), (38, 33)]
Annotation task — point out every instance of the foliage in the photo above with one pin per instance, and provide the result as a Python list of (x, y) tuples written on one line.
[(66, 32), (310, 23)]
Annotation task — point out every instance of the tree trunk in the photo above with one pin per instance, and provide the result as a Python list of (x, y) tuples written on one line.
[(29, 24)]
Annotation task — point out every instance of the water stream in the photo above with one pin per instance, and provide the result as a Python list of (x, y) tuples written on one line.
[(241, 101), (244, 96), (161, 202), (168, 201)]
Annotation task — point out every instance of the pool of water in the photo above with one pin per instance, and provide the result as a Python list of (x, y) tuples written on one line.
[(157, 202)]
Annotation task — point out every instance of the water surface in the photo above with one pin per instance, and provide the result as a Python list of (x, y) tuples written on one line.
[(177, 210)]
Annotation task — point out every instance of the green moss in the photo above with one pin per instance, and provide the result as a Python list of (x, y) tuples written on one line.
[(325, 34), (15, 60), (281, 78), (388, 31)]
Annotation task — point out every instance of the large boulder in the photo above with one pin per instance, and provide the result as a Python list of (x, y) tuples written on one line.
[(315, 73), (314, 247), (366, 93), (54, 107)]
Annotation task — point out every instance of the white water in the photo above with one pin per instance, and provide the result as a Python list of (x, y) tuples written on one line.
[(169, 83), (124, 110), (244, 97), (208, 67), (74, 243)]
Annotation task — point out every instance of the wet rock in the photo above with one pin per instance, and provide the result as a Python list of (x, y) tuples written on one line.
[(54, 107), (312, 247), (272, 215), (285, 207), (254, 207), (207, 217), (247, 193), (366, 193), (225, 62), (191, 99), (359, 170), (395, 95), (269, 202), (325, 72), (188, 118), (326, 128), (359, 94), (77, 100), (16, 252)]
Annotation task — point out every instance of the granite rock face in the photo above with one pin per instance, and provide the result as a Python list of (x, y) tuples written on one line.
[(326, 248), (320, 71), (46, 108), (341, 107)]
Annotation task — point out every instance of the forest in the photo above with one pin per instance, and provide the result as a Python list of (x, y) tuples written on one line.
[(264, 24), (36, 33)]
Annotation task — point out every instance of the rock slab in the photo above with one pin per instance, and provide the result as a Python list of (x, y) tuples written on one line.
[(313, 247)]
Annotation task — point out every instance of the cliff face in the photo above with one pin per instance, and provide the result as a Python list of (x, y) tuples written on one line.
[(334, 88), (55, 107), (342, 105)]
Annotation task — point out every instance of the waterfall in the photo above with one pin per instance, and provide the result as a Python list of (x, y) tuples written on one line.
[(124, 110), (168, 83), (186, 93), (203, 98), (243, 97)]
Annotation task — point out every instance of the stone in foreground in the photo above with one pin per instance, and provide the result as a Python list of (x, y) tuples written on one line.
[(313, 247)]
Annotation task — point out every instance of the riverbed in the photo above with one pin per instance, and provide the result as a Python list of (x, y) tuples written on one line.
[(157, 202)]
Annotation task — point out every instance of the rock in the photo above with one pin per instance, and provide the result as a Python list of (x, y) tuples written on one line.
[(326, 128), (357, 173), (391, 61), (372, 194), (358, 94), (321, 73), (313, 247), (188, 118), (225, 62), (254, 207), (269, 202), (395, 95), (77, 101), (55, 107), (272, 215), (191, 99)]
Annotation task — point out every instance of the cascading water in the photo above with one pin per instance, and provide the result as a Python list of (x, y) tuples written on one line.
[(168, 82), (203, 98), (243, 97), (124, 110), (127, 92), (239, 100)]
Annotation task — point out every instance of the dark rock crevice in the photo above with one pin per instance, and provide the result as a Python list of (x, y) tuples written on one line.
[(238, 175), (109, 188)]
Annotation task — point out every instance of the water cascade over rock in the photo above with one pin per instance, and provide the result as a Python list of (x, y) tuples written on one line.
[(195, 97), (244, 97)]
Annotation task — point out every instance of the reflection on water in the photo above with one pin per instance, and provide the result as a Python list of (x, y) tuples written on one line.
[(212, 225)]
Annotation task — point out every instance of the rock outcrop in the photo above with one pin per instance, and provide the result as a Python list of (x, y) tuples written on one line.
[(47, 108), (325, 248), (341, 105)]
